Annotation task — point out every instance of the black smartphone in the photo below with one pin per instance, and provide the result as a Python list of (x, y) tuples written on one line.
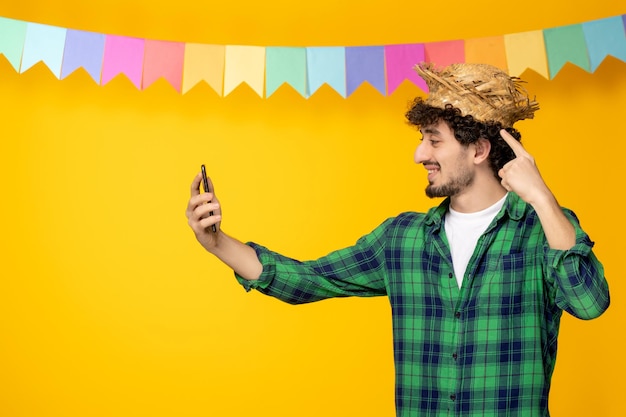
[(205, 185)]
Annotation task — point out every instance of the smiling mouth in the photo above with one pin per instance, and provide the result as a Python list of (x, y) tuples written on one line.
[(432, 169)]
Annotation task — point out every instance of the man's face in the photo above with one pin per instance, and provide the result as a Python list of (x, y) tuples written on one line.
[(447, 161)]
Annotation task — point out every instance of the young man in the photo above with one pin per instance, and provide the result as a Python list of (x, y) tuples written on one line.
[(478, 284)]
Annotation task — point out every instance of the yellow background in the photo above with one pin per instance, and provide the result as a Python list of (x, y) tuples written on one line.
[(109, 307)]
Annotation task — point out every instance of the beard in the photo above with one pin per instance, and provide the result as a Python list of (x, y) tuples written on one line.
[(463, 179)]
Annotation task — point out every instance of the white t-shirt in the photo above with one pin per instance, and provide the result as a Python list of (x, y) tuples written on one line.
[(463, 231)]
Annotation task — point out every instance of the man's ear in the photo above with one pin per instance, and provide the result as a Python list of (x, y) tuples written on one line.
[(482, 147)]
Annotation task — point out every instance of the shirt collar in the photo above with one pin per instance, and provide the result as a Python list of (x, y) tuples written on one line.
[(514, 207), (436, 214)]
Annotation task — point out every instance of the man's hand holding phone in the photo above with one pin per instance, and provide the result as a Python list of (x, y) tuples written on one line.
[(204, 215), (203, 211)]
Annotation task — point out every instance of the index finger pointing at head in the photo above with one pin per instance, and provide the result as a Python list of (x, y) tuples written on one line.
[(517, 147)]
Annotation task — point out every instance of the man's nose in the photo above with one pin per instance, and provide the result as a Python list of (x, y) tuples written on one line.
[(421, 153)]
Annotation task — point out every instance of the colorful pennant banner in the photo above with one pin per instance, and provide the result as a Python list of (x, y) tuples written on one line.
[(305, 69)]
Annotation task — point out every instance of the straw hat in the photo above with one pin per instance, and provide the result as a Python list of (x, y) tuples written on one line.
[(483, 91)]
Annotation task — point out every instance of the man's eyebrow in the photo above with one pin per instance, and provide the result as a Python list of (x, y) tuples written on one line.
[(429, 129)]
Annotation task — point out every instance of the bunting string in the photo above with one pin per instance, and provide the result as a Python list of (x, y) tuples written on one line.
[(265, 69)]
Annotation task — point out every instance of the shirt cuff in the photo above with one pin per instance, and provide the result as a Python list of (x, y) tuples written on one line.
[(269, 268), (582, 247)]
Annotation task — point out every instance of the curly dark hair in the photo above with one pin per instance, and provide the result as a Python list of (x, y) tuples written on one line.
[(466, 130)]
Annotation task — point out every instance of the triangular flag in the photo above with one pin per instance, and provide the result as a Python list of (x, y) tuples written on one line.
[(12, 37), (83, 49), (285, 65), (244, 64), (163, 59), (44, 43), (442, 54), (488, 50), (605, 37), (526, 50), (123, 55), (565, 44), (400, 61), (365, 64), (344, 69), (204, 63), (326, 65)]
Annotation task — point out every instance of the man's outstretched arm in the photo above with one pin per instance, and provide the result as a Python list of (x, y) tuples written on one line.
[(203, 212)]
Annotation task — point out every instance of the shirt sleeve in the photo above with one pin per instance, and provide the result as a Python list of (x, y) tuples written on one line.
[(358, 270), (578, 276)]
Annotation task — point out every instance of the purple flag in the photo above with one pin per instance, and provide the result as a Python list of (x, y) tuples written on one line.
[(365, 63), (83, 49)]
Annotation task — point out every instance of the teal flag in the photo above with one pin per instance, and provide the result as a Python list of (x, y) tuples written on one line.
[(327, 65), (285, 65), (605, 37), (565, 44), (44, 43), (12, 36)]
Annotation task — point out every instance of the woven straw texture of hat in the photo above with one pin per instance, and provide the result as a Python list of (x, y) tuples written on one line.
[(483, 91)]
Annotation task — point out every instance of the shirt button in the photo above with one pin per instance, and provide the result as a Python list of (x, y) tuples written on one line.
[(453, 397), (454, 356), (457, 314), (450, 275)]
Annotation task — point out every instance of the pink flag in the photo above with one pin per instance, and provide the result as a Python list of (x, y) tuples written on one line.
[(163, 59), (123, 55), (400, 60)]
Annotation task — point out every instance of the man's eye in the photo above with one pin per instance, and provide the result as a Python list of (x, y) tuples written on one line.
[(433, 142)]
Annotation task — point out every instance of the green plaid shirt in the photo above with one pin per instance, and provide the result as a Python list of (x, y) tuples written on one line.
[(486, 349)]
